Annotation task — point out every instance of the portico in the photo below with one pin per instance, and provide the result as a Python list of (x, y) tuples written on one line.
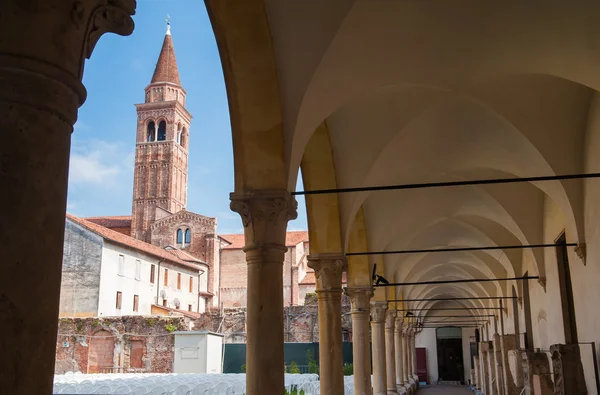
[(354, 94)]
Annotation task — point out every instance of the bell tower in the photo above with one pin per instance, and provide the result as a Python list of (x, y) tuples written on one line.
[(162, 140)]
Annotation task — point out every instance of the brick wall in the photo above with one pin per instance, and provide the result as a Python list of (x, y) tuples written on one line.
[(90, 345), (301, 323)]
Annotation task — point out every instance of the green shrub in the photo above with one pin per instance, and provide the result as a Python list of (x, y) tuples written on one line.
[(244, 367), (170, 328), (313, 366), (294, 368), (348, 369)]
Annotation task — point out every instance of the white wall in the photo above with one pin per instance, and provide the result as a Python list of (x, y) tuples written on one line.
[(111, 282), (427, 339), (468, 336)]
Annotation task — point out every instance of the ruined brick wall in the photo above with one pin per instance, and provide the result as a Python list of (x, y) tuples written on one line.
[(301, 323), (83, 344)]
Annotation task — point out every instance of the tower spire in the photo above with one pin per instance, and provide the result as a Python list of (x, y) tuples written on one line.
[(166, 68)]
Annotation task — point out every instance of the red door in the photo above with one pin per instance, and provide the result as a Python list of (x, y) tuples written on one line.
[(422, 364)]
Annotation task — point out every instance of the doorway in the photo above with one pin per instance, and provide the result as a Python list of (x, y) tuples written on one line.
[(450, 354), (566, 290)]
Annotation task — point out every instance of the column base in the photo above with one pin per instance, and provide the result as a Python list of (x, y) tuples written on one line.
[(401, 389)]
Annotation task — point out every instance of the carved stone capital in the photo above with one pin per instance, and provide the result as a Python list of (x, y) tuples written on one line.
[(390, 319), (378, 310), (265, 215), (61, 33), (399, 324), (360, 298), (581, 252), (328, 271)]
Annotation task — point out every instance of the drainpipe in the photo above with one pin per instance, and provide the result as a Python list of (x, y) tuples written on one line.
[(199, 274)]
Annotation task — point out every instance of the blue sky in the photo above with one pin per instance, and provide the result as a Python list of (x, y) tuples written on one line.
[(103, 143)]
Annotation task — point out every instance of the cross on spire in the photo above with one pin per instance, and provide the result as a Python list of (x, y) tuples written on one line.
[(168, 20)]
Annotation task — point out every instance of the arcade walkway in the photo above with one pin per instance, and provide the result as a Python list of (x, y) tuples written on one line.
[(444, 390)]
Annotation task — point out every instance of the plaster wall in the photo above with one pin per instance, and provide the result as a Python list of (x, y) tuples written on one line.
[(427, 339), (112, 281), (468, 336), (80, 272)]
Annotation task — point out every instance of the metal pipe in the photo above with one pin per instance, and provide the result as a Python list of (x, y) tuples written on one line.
[(451, 308), (484, 248), (460, 298), (448, 184), (461, 316), (469, 280)]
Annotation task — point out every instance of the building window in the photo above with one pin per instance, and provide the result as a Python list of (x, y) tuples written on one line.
[(178, 280), (191, 283), (151, 132), (162, 131), (189, 307), (166, 277), (119, 300), (152, 269), (136, 303), (165, 302), (188, 236), (138, 269), (121, 265), (179, 236)]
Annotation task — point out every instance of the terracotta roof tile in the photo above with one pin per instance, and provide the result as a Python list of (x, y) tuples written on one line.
[(114, 221), (292, 239), (130, 242), (184, 256), (166, 66), (168, 310)]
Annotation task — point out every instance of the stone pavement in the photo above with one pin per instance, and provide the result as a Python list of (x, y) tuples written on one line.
[(444, 390)]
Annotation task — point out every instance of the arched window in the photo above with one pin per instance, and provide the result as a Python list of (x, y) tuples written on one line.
[(188, 236), (162, 131), (179, 236), (182, 137), (179, 133), (150, 132)]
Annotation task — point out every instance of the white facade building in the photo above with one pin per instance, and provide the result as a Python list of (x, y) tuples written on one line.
[(107, 273)]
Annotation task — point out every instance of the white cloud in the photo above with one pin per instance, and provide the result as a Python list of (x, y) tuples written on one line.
[(97, 162)]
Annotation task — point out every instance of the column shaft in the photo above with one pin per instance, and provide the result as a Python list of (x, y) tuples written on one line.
[(390, 352), (378, 310), (398, 351), (405, 357), (328, 269), (43, 50), (359, 299), (265, 215)]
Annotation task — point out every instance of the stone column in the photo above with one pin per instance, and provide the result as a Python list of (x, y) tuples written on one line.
[(405, 356), (360, 298), (328, 271), (568, 370), (413, 349), (265, 215), (378, 311), (398, 352), (43, 48), (390, 352)]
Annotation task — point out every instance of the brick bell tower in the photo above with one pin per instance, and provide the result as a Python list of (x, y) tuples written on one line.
[(162, 140)]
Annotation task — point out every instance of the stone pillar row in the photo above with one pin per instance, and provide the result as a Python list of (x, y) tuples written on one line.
[(42, 52), (360, 298), (390, 351), (378, 312)]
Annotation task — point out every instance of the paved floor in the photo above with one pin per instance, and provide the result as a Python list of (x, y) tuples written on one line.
[(444, 390)]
